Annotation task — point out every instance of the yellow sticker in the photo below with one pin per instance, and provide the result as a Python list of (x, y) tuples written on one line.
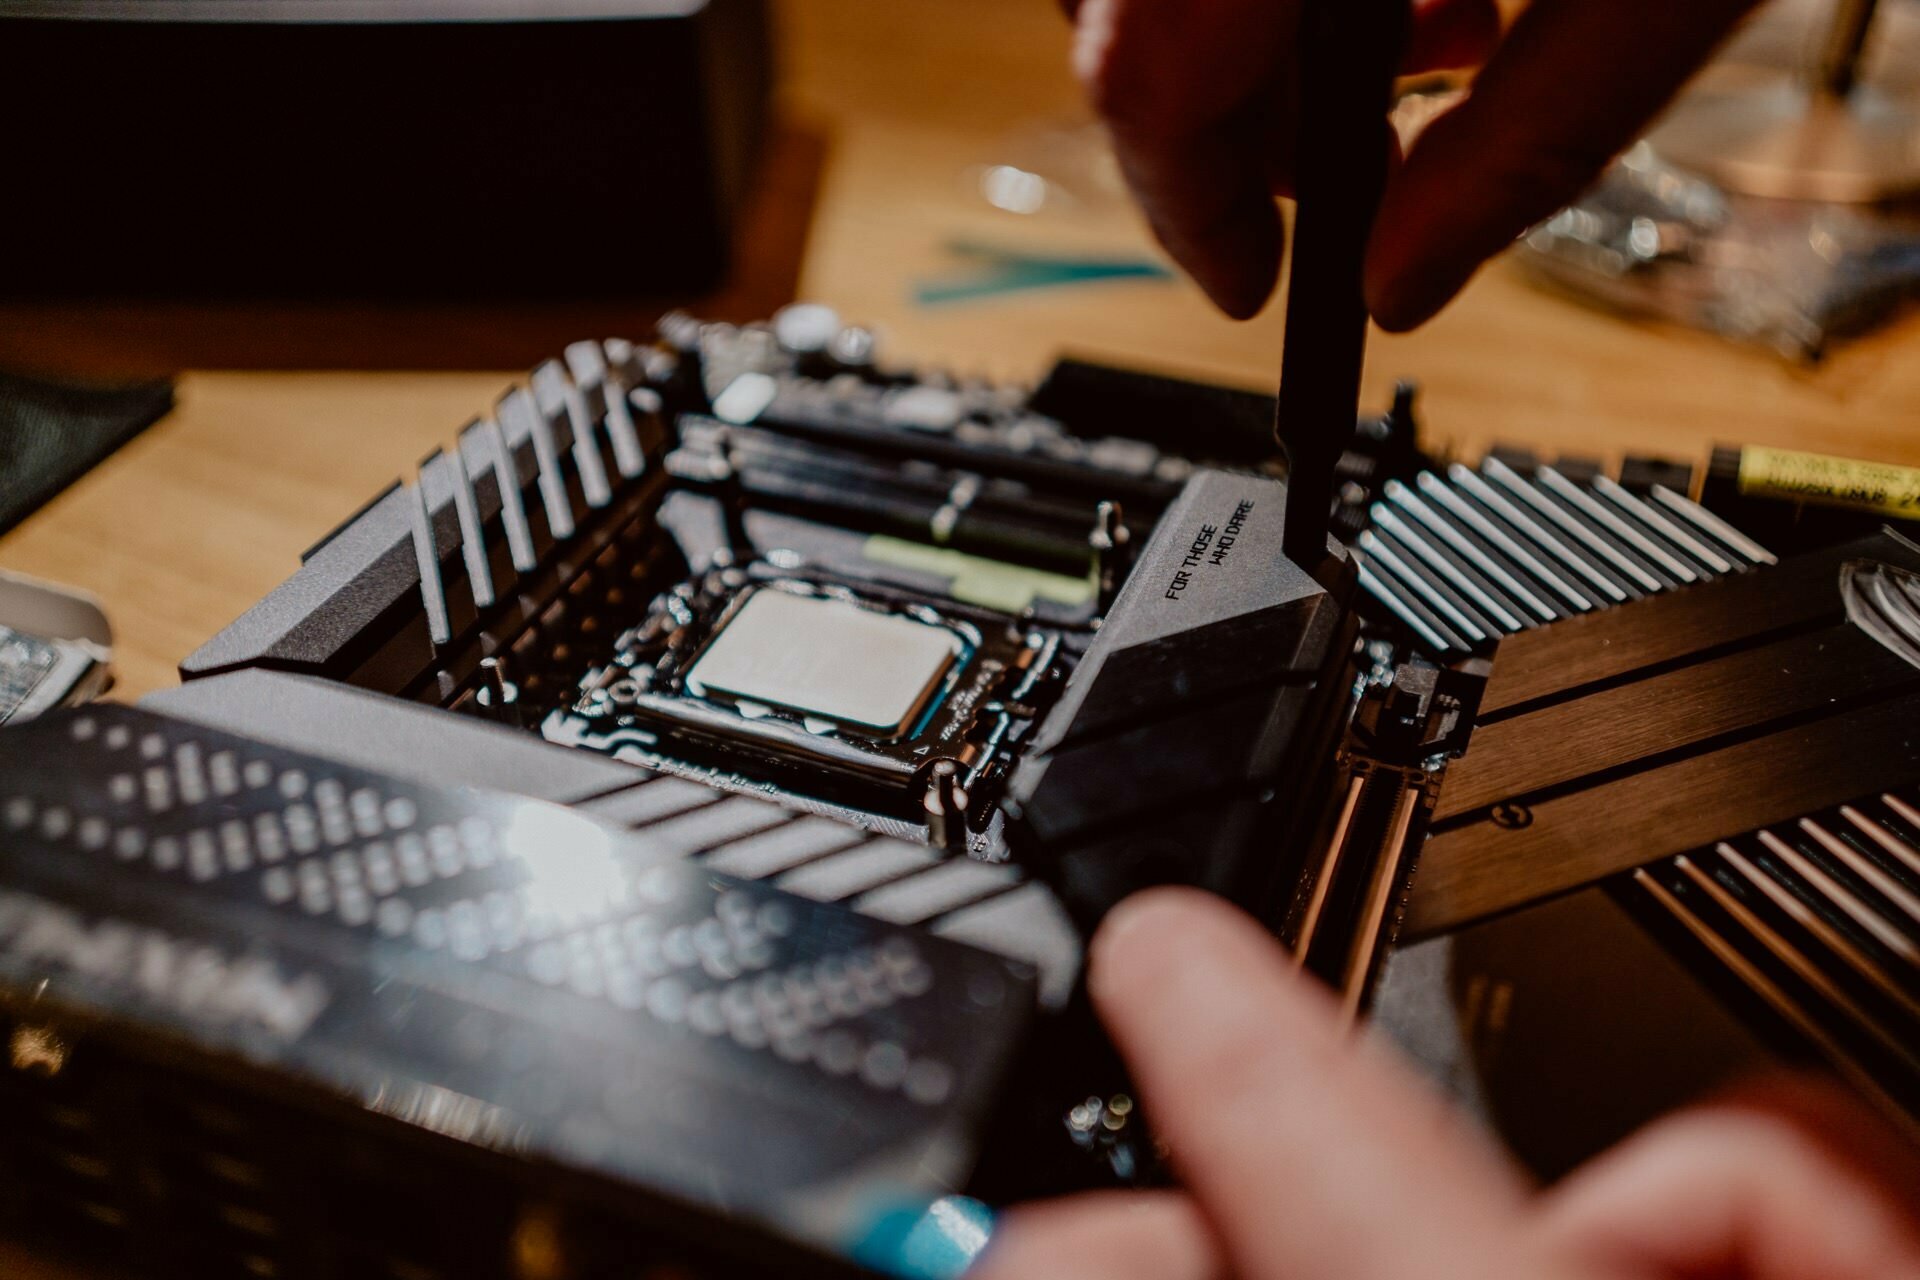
[(1835, 482), (991, 584)]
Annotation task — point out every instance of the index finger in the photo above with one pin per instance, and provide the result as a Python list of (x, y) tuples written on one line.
[(1312, 1153), (1184, 90), (1573, 83), (1198, 97), (1784, 1180)]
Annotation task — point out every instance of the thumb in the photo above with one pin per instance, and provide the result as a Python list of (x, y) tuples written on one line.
[(1311, 1153), (1776, 1184)]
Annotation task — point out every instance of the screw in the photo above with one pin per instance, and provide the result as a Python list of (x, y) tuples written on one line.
[(1509, 816), (498, 695), (946, 807), (1108, 542)]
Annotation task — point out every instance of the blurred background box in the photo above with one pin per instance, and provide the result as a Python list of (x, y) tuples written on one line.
[(376, 148)]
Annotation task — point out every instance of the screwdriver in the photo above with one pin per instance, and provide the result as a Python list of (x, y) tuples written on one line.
[(1350, 51)]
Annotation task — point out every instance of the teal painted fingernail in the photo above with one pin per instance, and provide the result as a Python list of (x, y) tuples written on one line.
[(938, 1241)]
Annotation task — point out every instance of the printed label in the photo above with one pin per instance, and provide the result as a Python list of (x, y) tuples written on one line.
[(1835, 482), (1211, 545)]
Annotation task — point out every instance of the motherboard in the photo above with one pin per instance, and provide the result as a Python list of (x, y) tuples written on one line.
[(674, 815)]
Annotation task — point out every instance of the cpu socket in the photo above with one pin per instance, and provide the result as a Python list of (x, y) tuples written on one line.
[(815, 690), (838, 665)]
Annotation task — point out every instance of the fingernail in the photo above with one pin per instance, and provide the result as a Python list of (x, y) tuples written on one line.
[(1398, 310), (1238, 295), (1145, 914), (1126, 918), (1237, 303), (1409, 301)]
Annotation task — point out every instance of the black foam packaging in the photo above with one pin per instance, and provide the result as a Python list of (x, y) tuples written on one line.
[(376, 148)]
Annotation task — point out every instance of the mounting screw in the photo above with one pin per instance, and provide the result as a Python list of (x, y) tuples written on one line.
[(498, 696), (945, 803), (1108, 542), (1509, 816)]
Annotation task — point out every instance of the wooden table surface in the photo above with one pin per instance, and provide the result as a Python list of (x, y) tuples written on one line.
[(888, 111)]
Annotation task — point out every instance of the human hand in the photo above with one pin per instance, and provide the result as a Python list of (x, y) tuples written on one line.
[(1199, 97), (1307, 1153)]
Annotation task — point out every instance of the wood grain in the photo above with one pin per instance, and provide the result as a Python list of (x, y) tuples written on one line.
[(17, 1263), (1574, 654), (1478, 870), (189, 525), (1568, 742), (888, 111)]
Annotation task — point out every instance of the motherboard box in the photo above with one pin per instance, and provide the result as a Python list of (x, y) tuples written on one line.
[(376, 148)]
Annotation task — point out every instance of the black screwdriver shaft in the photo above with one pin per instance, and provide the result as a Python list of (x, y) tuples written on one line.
[(1350, 51)]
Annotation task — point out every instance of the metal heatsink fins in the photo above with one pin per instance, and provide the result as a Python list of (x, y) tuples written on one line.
[(1478, 554), (561, 417), (384, 946), (993, 905), (1818, 920)]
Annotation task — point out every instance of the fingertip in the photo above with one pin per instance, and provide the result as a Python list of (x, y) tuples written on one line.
[(1837, 1119), (1390, 306), (1235, 1055), (1736, 1186), (1163, 908), (1238, 308), (1544, 117), (1148, 917), (1237, 263), (1152, 933), (1241, 298), (1223, 230), (1395, 314), (1406, 283)]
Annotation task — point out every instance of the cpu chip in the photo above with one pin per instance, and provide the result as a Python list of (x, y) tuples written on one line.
[(826, 659)]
